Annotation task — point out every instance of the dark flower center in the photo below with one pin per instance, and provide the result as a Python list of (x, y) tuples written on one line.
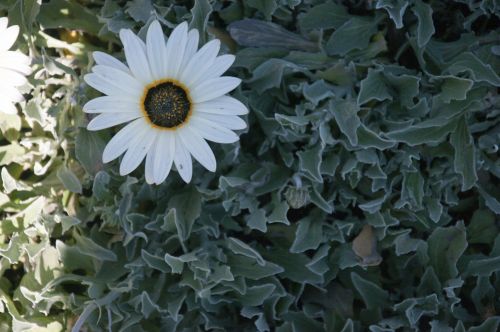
[(167, 105)]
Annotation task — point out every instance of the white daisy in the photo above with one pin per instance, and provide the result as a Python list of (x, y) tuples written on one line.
[(14, 66), (172, 94)]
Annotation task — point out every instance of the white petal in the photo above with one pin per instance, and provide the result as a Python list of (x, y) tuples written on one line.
[(136, 152), (104, 59), (14, 78), (111, 104), (106, 120), (120, 142), (214, 88), (10, 93), (220, 65), (191, 47), (200, 63), (198, 147), (111, 87), (136, 56), (122, 79), (156, 50), (182, 160), (160, 157), (223, 105), (212, 131), (4, 21), (228, 121), (15, 61), (7, 107), (176, 46), (149, 171), (8, 37)]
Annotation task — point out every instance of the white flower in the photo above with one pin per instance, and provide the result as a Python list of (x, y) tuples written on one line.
[(172, 94), (14, 66)]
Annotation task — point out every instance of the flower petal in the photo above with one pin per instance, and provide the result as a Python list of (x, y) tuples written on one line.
[(111, 87), (10, 93), (228, 121), (191, 48), (198, 148), (182, 160), (156, 50), (136, 56), (136, 152), (12, 77), (163, 156), (128, 82), (111, 104), (214, 88), (8, 37), (212, 131), (223, 105), (7, 107), (4, 21), (176, 46), (104, 59), (149, 170), (106, 120), (15, 61), (220, 65), (200, 63), (120, 142)]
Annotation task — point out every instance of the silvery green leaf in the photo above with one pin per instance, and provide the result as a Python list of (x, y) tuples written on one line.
[(446, 246), (373, 88), (490, 324), (294, 266), (369, 139), (187, 205), (270, 74), (415, 308), (140, 10), (395, 8), (483, 267), (478, 71), (239, 247), (324, 16), (310, 162), (77, 16), (88, 150), (320, 201), (10, 125), (309, 234), (87, 246), (482, 228), (256, 33), (373, 296), (256, 295), (355, 34), (407, 86), (201, 12), (266, 7), (10, 153), (155, 262), (425, 132), (465, 154), (455, 88), (345, 113), (249, 268), (425, 28), (69, 180)]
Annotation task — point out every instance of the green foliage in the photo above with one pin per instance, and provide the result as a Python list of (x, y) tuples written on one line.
[(363, 197)]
